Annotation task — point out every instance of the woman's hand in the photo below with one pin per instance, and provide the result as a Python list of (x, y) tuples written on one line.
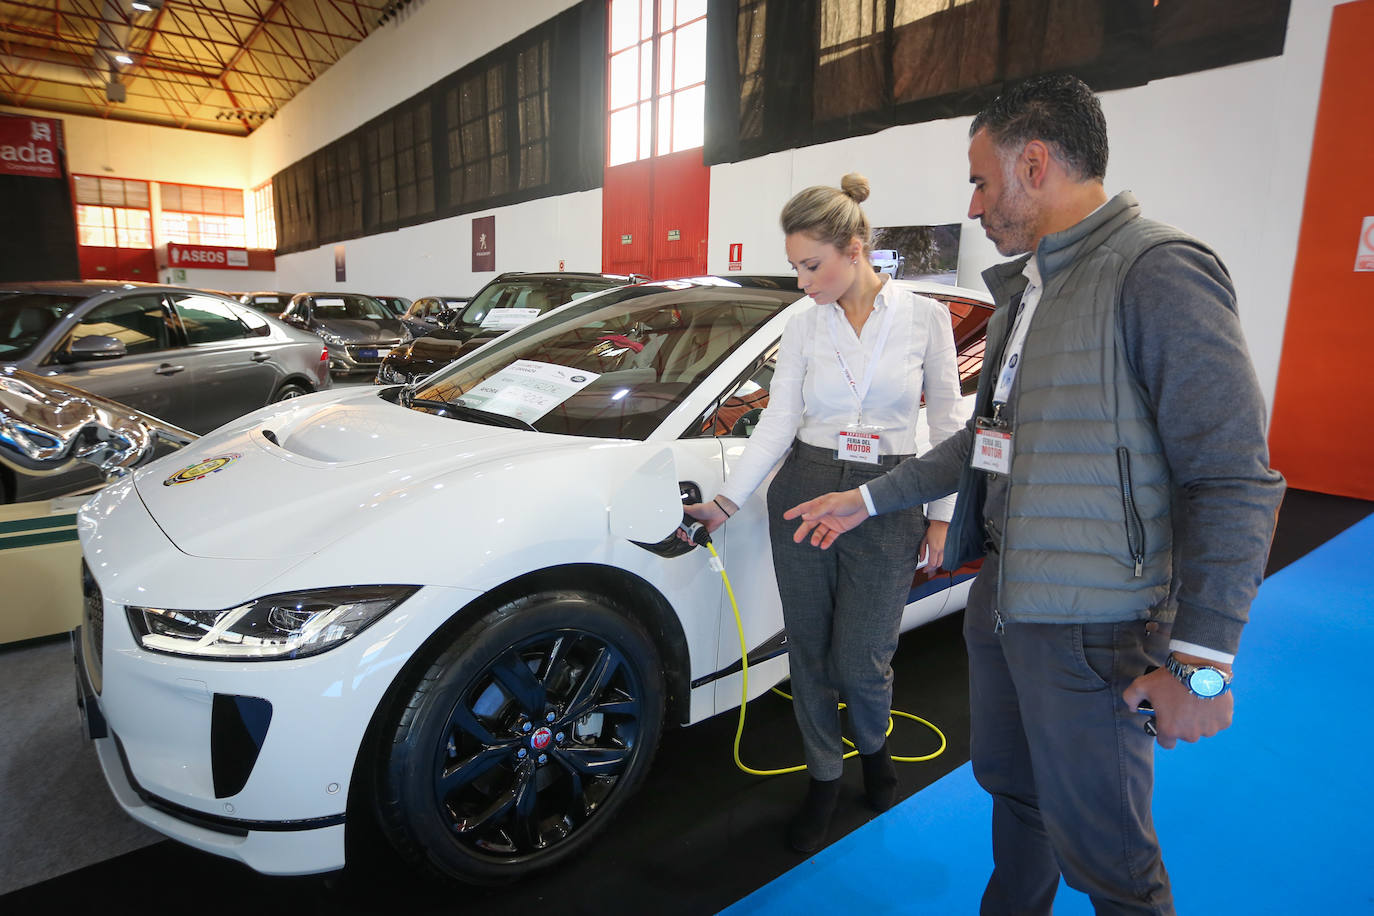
[(936, 532), (709, 514)]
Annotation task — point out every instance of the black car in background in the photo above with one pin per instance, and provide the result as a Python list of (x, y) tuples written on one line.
[(360, 330), (266, 301), (429, 313), (510, 301)]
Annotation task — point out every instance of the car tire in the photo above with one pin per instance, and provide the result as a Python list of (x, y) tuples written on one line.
[(521, 738), (288, 391)]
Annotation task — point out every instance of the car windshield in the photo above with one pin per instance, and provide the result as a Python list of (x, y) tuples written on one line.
[(512, 303), (267, 303), (26, 317), (354, 307), (612, 367)]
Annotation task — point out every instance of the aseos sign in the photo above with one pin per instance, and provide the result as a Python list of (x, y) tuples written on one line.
[(29, 146), (179, 255)]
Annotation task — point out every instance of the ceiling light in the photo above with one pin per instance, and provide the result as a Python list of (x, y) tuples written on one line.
[(122, 57), (146, 6)]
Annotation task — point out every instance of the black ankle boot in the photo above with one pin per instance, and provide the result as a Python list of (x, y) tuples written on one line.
[(880, 778), (807, 833)]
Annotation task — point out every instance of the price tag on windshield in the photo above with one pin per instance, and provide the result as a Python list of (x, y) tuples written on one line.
[(508, 319), (527, 389)]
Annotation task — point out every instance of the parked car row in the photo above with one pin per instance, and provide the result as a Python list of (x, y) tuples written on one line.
[(192, 358)]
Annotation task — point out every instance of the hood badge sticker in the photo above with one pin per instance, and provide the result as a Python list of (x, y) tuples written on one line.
[(201, 469)]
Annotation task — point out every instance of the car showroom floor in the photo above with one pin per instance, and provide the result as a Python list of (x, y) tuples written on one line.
[(701, 837)]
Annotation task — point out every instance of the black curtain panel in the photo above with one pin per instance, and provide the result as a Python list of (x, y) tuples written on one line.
[(37, 228), (787, 74), (522, 122)]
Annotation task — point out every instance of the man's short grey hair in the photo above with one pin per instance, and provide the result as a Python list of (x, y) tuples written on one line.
[(1059, 110)]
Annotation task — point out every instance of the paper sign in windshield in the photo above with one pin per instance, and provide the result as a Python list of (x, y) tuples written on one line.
[(508, 319), (527, 389)]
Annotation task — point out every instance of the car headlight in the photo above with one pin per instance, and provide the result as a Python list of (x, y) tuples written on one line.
[(288, 625), (334, 340), (388, 374)]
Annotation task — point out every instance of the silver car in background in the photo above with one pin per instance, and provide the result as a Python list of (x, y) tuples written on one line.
[(188, 357), (359, 330)]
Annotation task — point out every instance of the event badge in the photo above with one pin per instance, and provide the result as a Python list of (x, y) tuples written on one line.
[(859, 444), (991, 448)]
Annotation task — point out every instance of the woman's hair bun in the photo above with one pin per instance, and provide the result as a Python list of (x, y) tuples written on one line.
[(855, 186)]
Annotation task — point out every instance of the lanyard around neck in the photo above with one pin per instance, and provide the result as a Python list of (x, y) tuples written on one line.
[(861, 389)]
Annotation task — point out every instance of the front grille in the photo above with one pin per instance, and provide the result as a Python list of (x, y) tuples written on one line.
[(355, 351), (93, 619)]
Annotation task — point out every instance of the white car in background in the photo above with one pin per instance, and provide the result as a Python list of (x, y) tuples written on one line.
[(260, 665), (887, 261)]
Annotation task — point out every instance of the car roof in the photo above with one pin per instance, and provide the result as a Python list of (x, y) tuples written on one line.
[(90, 288), (561, 275)]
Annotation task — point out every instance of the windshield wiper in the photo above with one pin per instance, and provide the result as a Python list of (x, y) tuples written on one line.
[(456, 409)]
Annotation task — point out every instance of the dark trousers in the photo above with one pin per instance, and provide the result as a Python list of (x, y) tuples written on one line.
[(842, 606), (1069, 767)]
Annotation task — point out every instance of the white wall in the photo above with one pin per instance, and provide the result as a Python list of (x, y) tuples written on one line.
[(435, 259), (121, 149), (1221, 154)]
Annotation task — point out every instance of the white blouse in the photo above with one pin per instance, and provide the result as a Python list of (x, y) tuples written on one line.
[(810, 399)]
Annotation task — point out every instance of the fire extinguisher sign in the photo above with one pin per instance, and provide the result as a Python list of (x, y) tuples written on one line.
[(736, 255)]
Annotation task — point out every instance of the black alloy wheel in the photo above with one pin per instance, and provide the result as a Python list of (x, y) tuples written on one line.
[(521, 739)]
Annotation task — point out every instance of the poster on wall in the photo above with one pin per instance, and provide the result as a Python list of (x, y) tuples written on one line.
[(918, 252), (30, 146), (484, 244), (340, 272)]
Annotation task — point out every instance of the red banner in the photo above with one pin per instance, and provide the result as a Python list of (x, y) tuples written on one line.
[(217, 258), (29, 146)]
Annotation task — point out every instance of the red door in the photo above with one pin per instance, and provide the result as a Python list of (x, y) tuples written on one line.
[(654, 215), (99, 263)]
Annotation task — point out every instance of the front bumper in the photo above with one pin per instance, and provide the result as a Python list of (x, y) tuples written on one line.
[(271, 793), (272, 847), (354, 358)]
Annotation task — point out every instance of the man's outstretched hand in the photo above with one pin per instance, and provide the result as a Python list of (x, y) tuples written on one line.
[(827, 517)]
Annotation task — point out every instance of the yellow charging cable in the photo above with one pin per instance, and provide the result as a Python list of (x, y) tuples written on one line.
[(719, 567)]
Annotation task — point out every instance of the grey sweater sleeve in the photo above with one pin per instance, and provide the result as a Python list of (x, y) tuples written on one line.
[(1183, 339), (919, 480)]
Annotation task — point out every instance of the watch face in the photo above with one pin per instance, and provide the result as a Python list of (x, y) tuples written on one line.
[(1207, 682)]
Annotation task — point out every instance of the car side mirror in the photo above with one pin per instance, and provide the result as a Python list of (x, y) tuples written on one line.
[(96, 346)]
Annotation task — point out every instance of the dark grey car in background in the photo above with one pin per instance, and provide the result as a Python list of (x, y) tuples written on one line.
[(185, 356), (359, 330), (269, 302)]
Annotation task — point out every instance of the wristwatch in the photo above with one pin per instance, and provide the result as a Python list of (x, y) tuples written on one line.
[(1201, 680)]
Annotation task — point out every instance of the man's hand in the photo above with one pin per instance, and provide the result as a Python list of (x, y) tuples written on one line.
[(827, 517), (1178, 713)]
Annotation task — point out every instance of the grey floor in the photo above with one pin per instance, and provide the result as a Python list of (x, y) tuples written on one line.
[(56, 813)]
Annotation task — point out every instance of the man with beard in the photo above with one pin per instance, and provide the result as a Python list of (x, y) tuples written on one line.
[(1115, 479)]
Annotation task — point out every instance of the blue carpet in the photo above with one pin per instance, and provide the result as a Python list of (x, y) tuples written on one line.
[(1272, 816)]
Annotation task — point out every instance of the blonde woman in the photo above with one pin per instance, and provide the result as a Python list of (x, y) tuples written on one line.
[(843, 404)]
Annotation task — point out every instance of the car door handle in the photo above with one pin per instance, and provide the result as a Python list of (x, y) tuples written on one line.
[(260, 357), (168, 369)]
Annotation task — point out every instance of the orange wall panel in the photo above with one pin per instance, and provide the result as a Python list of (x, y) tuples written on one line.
[(1320, 437)]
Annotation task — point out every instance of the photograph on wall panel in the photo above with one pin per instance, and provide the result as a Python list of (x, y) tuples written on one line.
[(918, 252)]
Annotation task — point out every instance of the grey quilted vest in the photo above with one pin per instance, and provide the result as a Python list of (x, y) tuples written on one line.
[(1087, 534)]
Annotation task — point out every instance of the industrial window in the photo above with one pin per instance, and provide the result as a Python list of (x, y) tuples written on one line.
[(401, 158), (656, 78), (339, 185), (477, 153), (263, 232), (789, 74), (112, 212), (196, 215)]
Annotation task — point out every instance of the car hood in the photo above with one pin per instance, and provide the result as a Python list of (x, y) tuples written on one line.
[(293, 480), (363, 330)]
